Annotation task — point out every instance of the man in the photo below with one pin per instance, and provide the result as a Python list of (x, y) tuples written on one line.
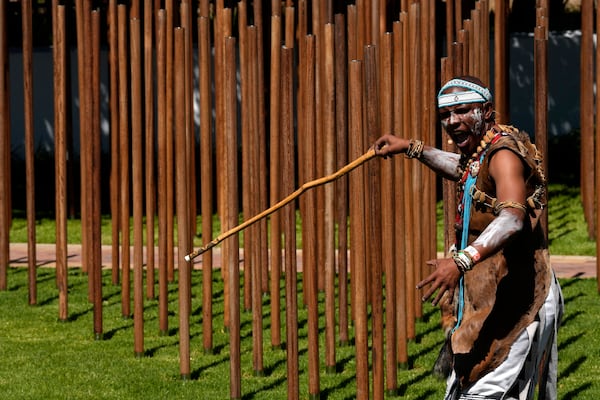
[(506, 304)]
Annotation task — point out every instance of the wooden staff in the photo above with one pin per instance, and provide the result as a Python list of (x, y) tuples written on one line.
[(137, 176), (289, 223), (182, 206), (275, 181), (60, 160), (113, 61), (357, 231), (26, 30), (231, 247), (308, 185), (124, 159), (149, 146), (161, 100), (206, 171)]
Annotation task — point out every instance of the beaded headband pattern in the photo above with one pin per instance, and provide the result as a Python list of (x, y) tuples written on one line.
[(475, 94)]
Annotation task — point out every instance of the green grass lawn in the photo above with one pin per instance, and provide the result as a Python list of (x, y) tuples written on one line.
[(42, 358)]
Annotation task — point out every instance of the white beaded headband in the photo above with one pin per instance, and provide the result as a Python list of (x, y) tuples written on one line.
[(475, 94)]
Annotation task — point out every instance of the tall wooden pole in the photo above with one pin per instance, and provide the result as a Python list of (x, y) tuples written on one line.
[(26, 18), (149, 144), (60, 160), (161, 100), (96, 178), (114, 138), (181, 189), (124, 159), (137, 176), (230, 248), (587, 113), (206, 172)]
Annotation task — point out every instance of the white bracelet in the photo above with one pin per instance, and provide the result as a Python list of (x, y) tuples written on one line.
[(473, 253)]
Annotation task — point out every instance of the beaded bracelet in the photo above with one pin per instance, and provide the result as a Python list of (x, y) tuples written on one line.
[(415, 148), (463, 261)]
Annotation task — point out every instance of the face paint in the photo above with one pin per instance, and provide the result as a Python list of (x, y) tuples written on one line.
[(499, 230)]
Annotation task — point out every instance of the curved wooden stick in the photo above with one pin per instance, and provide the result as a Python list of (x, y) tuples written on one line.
[(308, 185)]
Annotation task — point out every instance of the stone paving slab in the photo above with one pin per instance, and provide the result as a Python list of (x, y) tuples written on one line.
[(565, 266)]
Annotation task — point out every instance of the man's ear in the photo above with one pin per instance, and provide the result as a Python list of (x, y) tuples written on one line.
[(488, 111)]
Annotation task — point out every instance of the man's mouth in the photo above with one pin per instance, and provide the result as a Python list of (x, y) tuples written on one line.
[(460, 138)]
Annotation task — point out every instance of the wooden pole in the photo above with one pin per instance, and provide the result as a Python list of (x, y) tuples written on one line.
[(409, 233), (206, 176), (289, 224), (124, 160), (5, 176), (329, 139), (341, 188), (26, 18), (587, 113), (230, 250), (114, 137), (161, 99), (597, 162), (541, 102), (137, 176), (149, 135), (357, 230), (387, 215), (254, 234), (169, 76), (400, 222), (373, 190), (501, 78), (309, 220), (60, 160), (181, 189), (275, 175), (96, 178)]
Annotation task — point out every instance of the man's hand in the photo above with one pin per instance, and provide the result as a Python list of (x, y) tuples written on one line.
[(445, 278)]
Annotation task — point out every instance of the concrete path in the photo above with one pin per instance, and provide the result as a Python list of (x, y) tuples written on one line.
[(565, 266)]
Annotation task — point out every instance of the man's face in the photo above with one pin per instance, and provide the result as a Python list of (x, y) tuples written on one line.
[(464, 123)]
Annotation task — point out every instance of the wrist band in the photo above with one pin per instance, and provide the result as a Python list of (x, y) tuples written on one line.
[(463, 261), (472, 253), (415, 148)]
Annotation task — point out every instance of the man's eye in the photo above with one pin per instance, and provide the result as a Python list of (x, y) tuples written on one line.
[(444, 115)]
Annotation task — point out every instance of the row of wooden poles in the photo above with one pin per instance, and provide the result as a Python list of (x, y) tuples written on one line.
[(281, 102)]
